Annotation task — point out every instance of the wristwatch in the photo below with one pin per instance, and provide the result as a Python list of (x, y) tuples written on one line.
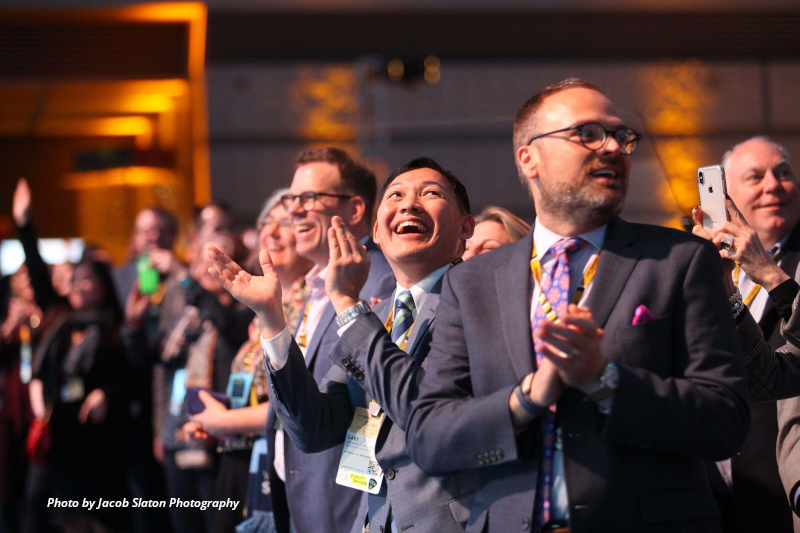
[(351, 313), (609, 379)]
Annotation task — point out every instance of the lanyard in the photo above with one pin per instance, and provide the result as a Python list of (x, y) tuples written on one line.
[(389, 324), (536, 270), (301, 334), (754, 291)]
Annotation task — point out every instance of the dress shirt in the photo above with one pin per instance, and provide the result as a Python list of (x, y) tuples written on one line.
[(419, 292), (543, 238), (277, 348)]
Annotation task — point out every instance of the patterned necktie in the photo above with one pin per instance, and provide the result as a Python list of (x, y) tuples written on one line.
[(555, 286), (403, 319)]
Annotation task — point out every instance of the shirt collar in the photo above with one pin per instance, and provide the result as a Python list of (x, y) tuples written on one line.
[(423, 287), (778, 246), (544, 238), (316, 277)]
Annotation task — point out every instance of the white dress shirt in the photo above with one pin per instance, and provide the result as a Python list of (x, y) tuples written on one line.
[(543, 238)]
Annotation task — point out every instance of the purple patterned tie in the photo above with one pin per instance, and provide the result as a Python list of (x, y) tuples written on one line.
[(555, 287)]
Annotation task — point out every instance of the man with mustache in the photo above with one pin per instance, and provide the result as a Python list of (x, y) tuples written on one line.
[(422, 225), (327, 183), (589, 417)]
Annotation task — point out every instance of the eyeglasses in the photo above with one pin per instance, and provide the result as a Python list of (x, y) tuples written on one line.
[(593, 136), (307, 199), (269, 221)]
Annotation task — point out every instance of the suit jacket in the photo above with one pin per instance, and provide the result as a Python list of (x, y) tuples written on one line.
[(757, 500), (370, 366), (680, 398), (313, 499)]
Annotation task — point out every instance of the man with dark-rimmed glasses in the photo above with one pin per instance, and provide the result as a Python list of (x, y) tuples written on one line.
[(588, 369), (326, 183)]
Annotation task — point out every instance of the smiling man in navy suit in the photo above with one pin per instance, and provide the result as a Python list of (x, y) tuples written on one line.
[(588, 417)]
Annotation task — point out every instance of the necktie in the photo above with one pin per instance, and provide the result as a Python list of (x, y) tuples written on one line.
[(403, 319), (555, 286)]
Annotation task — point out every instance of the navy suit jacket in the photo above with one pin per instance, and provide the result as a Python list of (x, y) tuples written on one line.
[(313, 499), (370, 366), (680, 399)]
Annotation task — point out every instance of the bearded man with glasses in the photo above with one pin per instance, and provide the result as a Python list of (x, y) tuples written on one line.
[(586, 370)]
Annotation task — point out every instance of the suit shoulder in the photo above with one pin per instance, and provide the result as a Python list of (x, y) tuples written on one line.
[(659, 236), (487, 263)]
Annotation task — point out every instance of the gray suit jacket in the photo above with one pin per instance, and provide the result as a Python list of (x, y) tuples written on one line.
[(680, 399), (372, 366), (315, 502)]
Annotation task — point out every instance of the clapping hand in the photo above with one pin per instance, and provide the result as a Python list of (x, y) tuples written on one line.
[(348, 267), (262, 294)]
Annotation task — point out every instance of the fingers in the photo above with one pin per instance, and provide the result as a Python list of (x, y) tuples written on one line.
[(697, 216), (734, 214), (554, 356), (345, 244), (226, 268), (334, 250), (266, 262)]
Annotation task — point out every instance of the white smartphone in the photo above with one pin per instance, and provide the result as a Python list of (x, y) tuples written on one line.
[(711, 181)]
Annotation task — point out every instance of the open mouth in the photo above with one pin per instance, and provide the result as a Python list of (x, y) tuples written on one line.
[(609, 173), (300, 229), (411, 227), (274, 247)]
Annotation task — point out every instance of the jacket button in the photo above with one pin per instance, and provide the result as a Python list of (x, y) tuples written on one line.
[(389, 473), (493, 456), (526, 523), (499, 454), (359, 374), (480, 459)]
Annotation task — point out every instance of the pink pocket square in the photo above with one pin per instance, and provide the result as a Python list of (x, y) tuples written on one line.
[(641, 316)]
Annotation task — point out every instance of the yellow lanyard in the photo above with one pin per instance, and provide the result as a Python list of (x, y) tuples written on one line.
[(536, 270), (389, 324), (754, 291), (301, 334)]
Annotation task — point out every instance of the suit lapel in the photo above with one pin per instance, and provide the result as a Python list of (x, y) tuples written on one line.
[(325, 321), (513, 282), (616, 263), (425, 318)]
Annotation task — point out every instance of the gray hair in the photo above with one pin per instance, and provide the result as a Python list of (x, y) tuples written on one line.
[(763, 138), (272, 202)]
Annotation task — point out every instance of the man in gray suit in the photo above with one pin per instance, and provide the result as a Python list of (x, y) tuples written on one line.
[(326, 184), (591, 418), (422, 224)]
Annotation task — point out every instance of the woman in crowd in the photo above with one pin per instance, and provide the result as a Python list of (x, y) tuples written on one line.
[(239, 427), (199, 329), (79, 387), (494, 227)]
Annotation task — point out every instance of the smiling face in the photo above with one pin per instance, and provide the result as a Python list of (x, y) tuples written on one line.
[(311, 226), (419, 224), (763, 186), (568, 180), (87, 289), (277, 237), (488, 235)]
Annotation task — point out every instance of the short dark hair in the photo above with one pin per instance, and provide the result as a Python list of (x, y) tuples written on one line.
[(167, 218), (524, 126), (356, 177), (426, 162)]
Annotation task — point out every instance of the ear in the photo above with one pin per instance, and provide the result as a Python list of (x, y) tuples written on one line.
[(528, 159), (467, 227), (375, 238), (358, 210)]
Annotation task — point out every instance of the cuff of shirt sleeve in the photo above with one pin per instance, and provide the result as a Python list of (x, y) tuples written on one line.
[(783, 297), (277, 348), (344, 328), (794, 495)]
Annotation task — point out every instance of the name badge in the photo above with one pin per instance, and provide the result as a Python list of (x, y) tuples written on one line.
[(239, 389), (178, 392), (358, 467), (72, 390)]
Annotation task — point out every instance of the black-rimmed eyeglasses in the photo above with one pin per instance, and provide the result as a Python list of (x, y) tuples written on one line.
[(307, 199), (594, 136)]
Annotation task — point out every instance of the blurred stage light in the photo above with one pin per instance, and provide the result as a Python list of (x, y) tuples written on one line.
[(395, 69)]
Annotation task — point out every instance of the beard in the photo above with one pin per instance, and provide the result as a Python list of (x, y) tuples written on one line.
[(579, 203)]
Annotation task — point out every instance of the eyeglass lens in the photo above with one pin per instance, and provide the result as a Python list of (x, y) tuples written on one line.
[(593, 136)]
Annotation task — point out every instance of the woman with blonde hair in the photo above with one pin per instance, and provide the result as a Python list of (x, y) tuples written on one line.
[(494, 227)]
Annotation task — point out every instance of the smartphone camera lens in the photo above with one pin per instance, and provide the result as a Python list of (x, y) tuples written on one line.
[(700, 175)]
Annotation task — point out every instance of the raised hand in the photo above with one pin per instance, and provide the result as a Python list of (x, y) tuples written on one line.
[(22, 203), (262, 294), (348, 266)]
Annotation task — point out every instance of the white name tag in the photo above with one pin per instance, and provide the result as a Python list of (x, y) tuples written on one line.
[(72, 390), (358, 467)]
